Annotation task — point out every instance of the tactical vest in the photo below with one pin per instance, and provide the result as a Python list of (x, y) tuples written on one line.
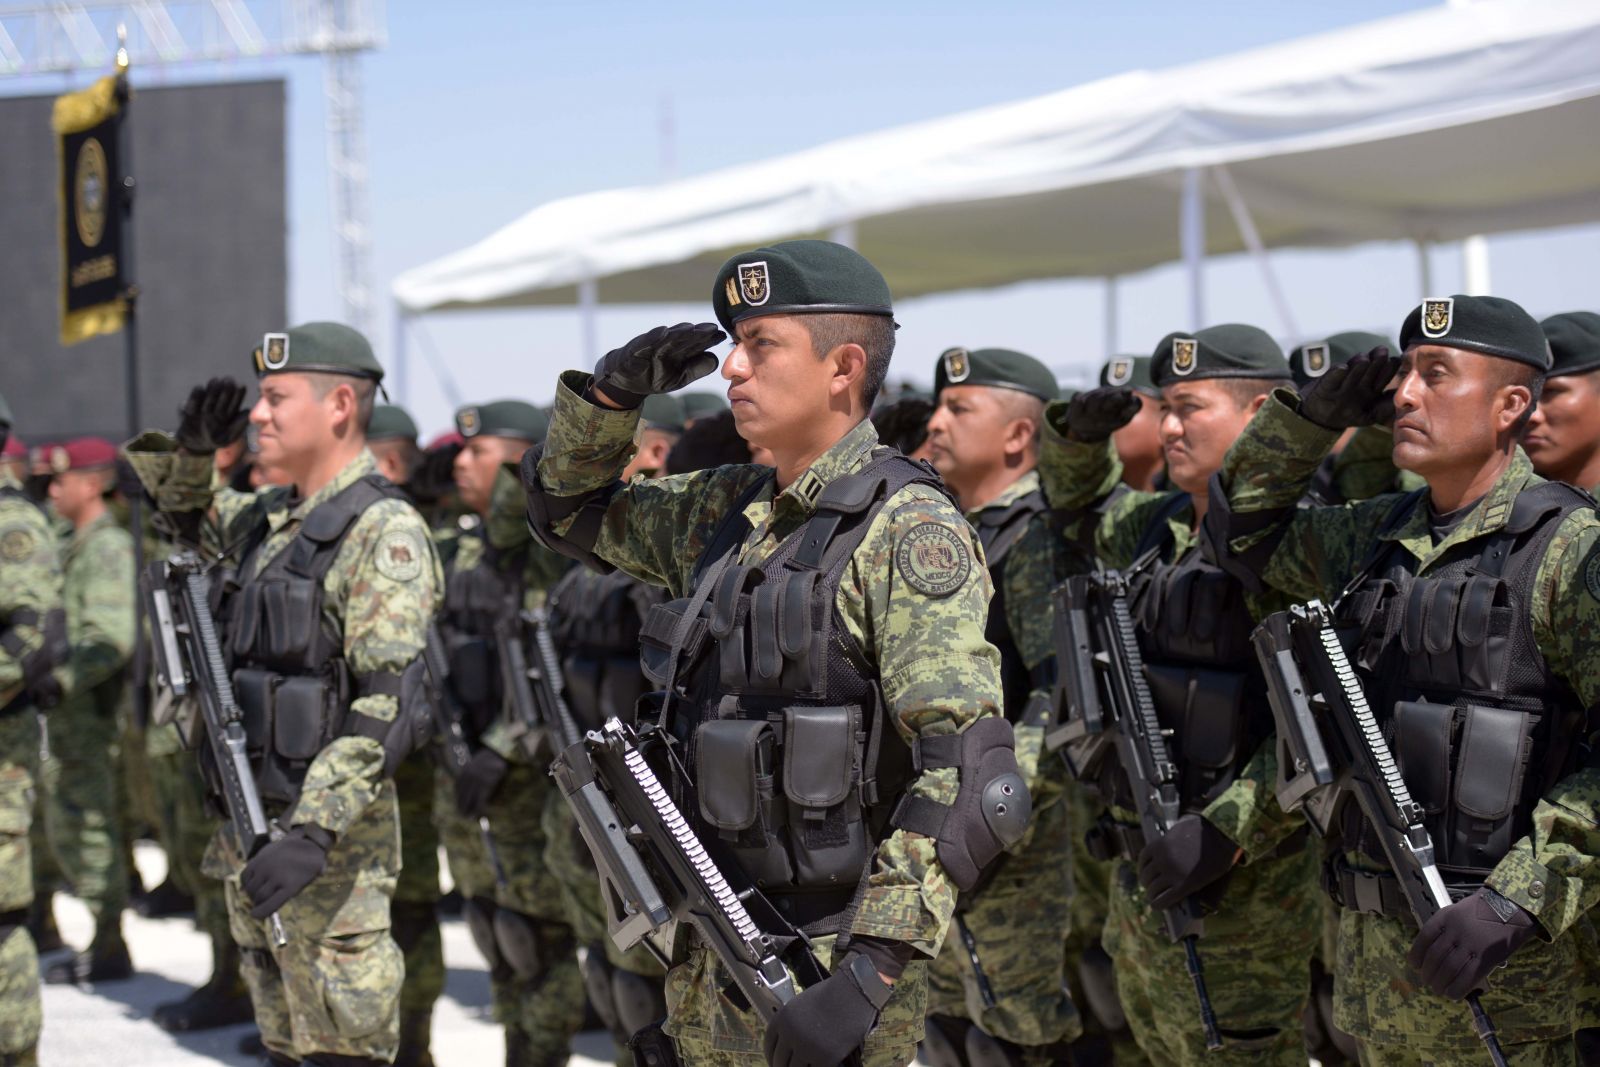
[(998, 530), (1194, 634), (595, 622), (52, 624), (477, 600), (290, 676), (1479, 725), (776, 707)]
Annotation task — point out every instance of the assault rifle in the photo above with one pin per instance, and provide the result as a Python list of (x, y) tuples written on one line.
[(454, 751), (188, 660), (655, 873), (1108, 706), (1309, 682)]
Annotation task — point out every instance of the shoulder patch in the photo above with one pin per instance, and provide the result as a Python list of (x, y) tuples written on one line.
[(17, 543), (933, 559), (400, 555), (1591, 572)]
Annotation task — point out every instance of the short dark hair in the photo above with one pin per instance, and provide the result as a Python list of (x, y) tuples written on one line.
[(366, 390), (903, 424), (875, 335), (713, 441), (1244, 390), (1531, 378)]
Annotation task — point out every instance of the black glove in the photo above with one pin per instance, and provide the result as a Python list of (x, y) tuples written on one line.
[(479, 779), (1461, 944), (46, 691), (829, 1021), (661, 361), (1355, 393), (1095, 414), (284, 867), (1187, 858), (435, 475), (212, 416)]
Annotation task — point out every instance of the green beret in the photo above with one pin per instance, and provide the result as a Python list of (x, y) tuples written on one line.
[(1132, 371), (1574, 338), (1232, 350), (1315, 358), (798, 277), (324, 347), (999, 368), (663, 411), (502, 418), (391, 421), (1491, 325), (700, 405), (5, 414)]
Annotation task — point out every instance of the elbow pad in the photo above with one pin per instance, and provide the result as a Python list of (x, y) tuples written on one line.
[(992, 806), (545, 509)]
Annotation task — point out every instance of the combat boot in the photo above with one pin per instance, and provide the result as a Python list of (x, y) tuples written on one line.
[(223, 1001), (42, 924), (25, 1058), (164, 902), (416, 1035), (105, 960)]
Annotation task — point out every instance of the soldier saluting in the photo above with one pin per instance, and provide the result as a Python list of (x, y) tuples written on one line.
[(838, 694), (1472, 608), (335, 579)]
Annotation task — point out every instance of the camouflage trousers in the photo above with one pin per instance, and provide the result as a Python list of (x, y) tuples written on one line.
[(84, 808), (709, 1030), (416, 898), (185, 824), (335, 987), (1013, 922), (543, 1012), (20, 1014), (1545, 993), (1255, 952)]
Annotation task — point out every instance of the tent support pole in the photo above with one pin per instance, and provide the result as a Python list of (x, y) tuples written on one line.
[(588, 310), (1192, 239), (1475, 266), (1424, 270), (402, 373), (1111, 316), (844, 234), (1258, 251)]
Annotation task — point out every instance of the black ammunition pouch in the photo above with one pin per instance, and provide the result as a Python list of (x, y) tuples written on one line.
[(1205, 711), (287, 721), (474, 668), (992, 806)]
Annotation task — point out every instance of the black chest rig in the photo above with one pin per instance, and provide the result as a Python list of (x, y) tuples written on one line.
[(52, 623), (290, 675), (776, 709), (478, 602), (998, 529), (1194, 634), (595, 621), (1479, 725)]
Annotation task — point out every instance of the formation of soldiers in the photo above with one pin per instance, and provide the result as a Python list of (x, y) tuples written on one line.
[(835, 612)]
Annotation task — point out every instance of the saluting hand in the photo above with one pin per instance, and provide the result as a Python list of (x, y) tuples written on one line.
[(661, 361), (1095, 414), (212, 417), (1355, 393)]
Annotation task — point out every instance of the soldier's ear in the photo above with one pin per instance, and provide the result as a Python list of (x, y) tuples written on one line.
[(849, 362)]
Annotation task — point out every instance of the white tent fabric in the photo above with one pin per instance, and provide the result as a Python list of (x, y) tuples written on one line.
[(1431, 126)]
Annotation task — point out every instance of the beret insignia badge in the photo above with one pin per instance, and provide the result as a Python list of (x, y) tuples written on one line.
[(1120, 372), (60, 460), (754, 283), (1316, 360), (1183, 355), (274, 351), (1436, 315), (957, 367), (468, 422)]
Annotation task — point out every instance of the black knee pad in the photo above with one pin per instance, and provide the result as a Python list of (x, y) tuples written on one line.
[(944, 1041), (596, 971), (531, 946), (1099, 982), (985, 1050), (640, 1001), (479, 913)]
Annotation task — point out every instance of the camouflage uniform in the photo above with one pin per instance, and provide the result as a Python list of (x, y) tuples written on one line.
[(1263, 931), (30, 587), (936, 672), (1546, 990), (540, 1015), (335, 987), (1027, 904), (84, 809)]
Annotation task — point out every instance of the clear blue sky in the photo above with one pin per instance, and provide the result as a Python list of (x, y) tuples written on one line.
[(479, 111)]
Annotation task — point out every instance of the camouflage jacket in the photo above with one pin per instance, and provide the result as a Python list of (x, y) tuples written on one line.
[(1079, 479), (98, 592), (936, 671), (381, 609), (1555, 872), (30, 580)]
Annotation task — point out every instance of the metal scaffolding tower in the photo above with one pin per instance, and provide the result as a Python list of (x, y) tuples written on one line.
[(66, 36)]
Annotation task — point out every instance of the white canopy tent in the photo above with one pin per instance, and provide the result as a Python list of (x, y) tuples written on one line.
[(1432, 126)]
